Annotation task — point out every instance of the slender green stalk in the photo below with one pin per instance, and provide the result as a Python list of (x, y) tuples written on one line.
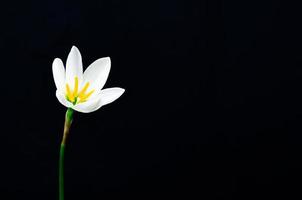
[(61, 172), (68, 121)]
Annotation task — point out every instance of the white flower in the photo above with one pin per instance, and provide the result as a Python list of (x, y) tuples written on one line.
[(83, 91)]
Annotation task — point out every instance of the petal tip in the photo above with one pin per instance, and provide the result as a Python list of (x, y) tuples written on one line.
[(107, 59), (122, 90), (56, 60), (109, 95), (75, 49)]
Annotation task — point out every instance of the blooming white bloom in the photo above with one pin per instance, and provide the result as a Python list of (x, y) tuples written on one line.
[(83, 91)]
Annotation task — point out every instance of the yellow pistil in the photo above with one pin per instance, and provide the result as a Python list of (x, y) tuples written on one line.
[(76, 86), (74, 96)]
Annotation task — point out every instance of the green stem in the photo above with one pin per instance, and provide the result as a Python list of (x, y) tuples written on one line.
[(68, 121), (61, 172)]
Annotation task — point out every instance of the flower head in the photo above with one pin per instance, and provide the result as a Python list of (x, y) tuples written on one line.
[(83, 91)]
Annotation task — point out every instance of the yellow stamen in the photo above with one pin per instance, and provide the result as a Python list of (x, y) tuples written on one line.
[(76, 86), (74, 96), (86, 96), (70, 96), (83, 91)]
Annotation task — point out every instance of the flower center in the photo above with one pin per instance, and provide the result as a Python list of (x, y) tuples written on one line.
[(75, 96)]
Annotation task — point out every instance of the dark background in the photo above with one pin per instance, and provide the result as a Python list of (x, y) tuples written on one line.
[(212, 107)]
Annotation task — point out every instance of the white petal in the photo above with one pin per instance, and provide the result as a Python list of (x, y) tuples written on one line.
[(58, 72), (97, 73), (110, 94), (74, 66), (89, 106), (62, 99)]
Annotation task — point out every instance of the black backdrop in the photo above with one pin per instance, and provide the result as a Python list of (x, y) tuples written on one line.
[(212, 106)]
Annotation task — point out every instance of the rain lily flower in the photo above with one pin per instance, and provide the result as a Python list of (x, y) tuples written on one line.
[(83, 91)]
